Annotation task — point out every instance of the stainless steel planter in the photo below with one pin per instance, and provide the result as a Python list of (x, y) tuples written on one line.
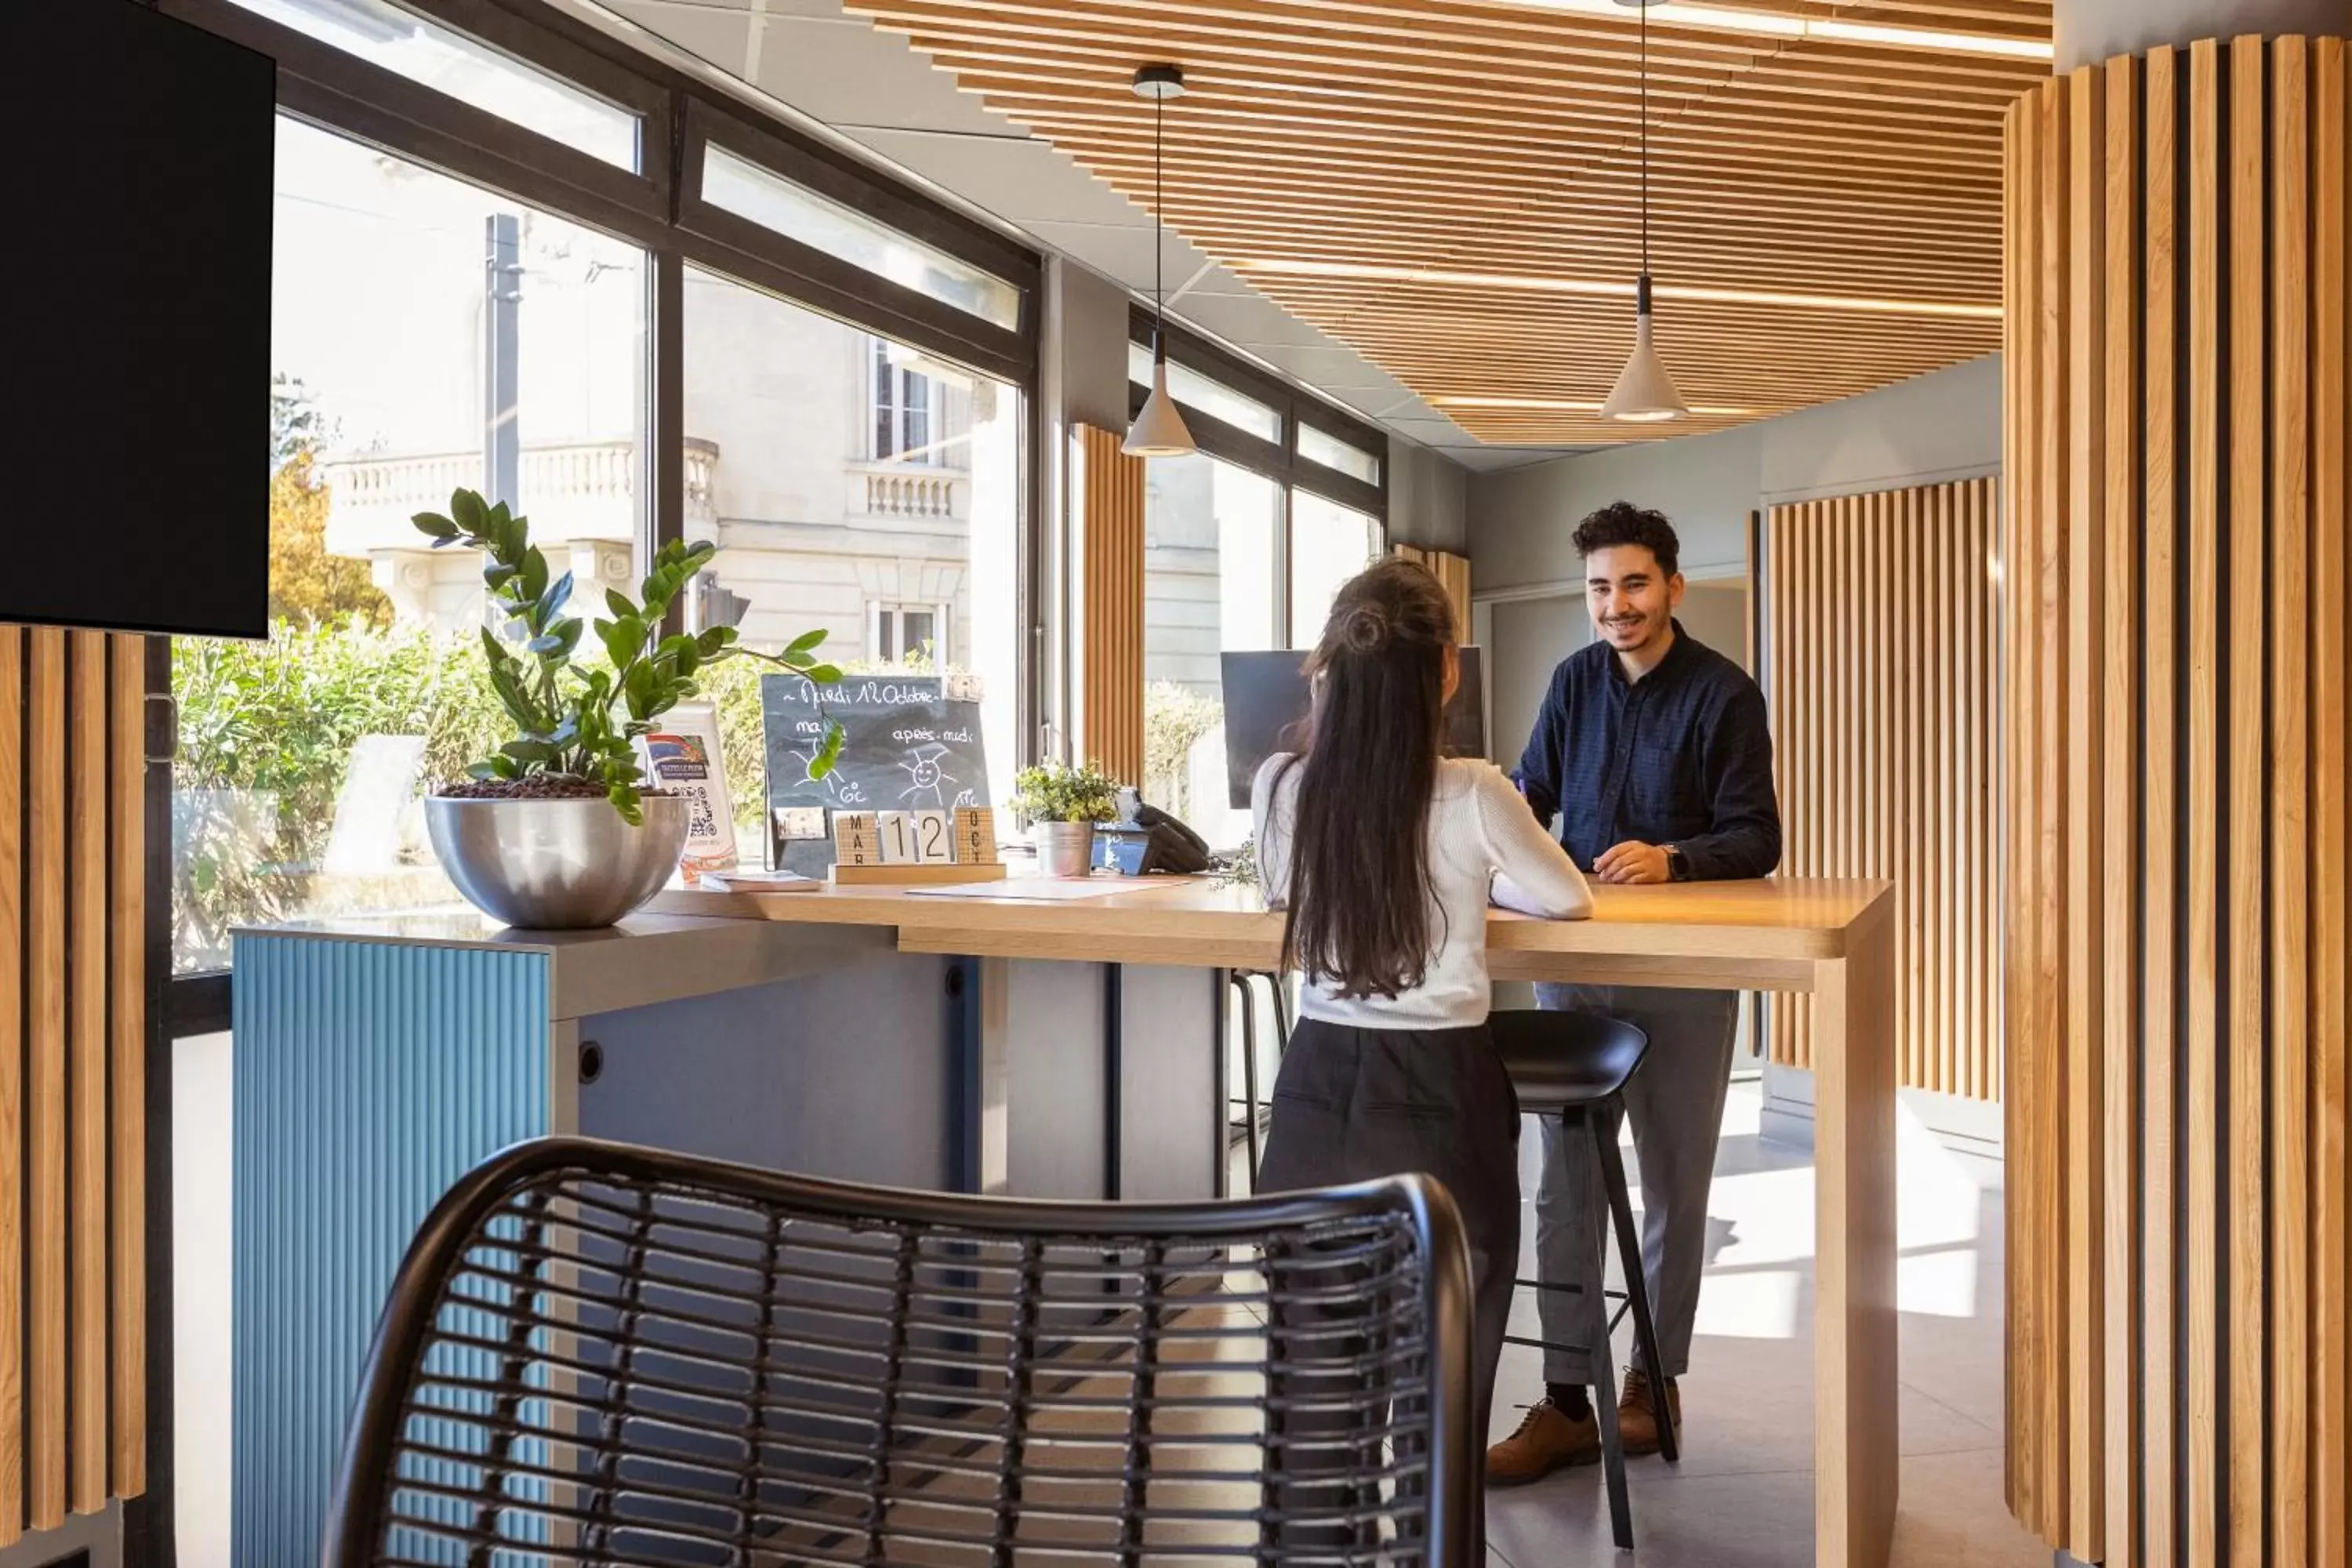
[(1063, 848), (555, 865)]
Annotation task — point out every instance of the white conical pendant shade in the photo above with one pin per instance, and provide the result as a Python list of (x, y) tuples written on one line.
[(1158, 430), (1645, 392)]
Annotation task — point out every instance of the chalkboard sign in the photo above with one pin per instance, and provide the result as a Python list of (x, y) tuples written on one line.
[(910, 743)]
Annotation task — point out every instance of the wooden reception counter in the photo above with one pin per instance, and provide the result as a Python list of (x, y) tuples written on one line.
[(1833, 939), (1045, 1046)]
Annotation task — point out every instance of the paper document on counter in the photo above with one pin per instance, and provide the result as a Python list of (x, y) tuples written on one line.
[(1052, 889)]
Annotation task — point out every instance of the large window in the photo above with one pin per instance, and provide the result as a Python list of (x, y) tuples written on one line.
[(1211, 554), (303, 759), (427, 53), (1246, 543), (1329, 544), (853, 484), (738, 185)]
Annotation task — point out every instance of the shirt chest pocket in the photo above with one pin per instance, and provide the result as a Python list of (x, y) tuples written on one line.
[(1667, 772)]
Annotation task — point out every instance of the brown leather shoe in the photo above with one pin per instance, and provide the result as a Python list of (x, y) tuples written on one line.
[(1547, 1440), (1637, 1416)]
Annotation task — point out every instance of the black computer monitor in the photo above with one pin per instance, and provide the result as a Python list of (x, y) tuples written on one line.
[(1268, 706)]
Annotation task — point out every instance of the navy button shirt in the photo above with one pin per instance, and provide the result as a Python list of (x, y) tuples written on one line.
[(1681, 756)]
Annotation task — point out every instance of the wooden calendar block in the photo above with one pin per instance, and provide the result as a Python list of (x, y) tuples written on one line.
[(856, 838), (934, 838), (975, 836), (896, 831)]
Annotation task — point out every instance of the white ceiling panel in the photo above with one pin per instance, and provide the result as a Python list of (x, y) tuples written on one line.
[(1123, 253), (1251, 321), (1020, 179)]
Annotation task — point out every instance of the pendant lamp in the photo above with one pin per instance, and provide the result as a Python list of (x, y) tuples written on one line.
[(1158, 430), (1644, 393)]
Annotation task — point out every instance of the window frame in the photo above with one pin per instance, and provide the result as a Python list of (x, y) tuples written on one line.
[(1278, 460), (894, 612), (659, 209)]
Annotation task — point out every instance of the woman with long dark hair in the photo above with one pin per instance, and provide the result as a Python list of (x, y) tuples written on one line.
[(1385, 853)]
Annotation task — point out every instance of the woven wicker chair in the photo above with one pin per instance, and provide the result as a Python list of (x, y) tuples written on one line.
[(596, 1354)]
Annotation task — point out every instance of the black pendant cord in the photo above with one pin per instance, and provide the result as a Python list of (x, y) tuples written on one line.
[(1645, 139), (1159, 228)]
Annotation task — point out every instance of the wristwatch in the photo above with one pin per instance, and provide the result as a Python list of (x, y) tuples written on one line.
[(1677, 869)]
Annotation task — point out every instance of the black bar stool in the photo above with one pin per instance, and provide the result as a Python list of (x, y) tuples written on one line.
[(1239, 979), (1574, 1066)]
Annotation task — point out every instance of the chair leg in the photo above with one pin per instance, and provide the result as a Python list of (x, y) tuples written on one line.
[(1249, 1070), (1637, 1284), (1281, 1016), (1603, 1358)]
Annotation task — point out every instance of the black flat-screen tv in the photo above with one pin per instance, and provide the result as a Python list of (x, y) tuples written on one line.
[(136, 436), (1267, 704)]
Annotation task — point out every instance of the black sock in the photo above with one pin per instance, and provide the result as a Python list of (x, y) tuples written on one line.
[(1573, 1399)]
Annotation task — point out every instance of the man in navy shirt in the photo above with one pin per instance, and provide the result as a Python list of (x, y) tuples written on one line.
[(1652, 750)]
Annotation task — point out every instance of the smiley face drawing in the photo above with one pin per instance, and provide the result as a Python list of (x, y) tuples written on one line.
[(926, 775)]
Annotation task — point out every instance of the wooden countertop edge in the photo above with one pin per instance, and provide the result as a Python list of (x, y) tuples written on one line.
[(1124, 927)]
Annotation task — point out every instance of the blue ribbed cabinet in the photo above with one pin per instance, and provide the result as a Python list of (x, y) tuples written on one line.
[(368, 1077)]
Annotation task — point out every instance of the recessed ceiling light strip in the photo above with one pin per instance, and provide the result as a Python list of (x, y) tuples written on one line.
[(1609, 288)]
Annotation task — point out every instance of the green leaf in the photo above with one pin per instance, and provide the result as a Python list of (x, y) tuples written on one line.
[(624, 797), (443, 530), (566, 637), (802, 644), (534, 574), (823, 674), (623, 639), (488, 769), (542, 752), (497, 577), (827, 754), (618, 603), (466, 506)]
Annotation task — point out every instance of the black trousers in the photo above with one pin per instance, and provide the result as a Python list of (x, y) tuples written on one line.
[(1354, 1104)]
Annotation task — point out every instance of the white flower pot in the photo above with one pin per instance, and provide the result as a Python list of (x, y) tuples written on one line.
[(1063, 848)]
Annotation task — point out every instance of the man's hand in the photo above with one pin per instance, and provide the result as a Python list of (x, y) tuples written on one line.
[(1631, 862)]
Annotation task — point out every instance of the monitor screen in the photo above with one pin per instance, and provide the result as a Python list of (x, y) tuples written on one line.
[(139, 192), (1268, 706)]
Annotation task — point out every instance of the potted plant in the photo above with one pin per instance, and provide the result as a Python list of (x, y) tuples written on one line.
[(553, 831), (1062, 804)]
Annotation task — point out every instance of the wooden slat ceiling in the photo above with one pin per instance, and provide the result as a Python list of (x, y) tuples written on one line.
[(1452, 189)]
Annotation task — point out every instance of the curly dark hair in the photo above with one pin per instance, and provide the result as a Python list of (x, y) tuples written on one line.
[(1623, 522)]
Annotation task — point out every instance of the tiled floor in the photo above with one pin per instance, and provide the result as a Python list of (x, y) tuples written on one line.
[(1742, 1495)]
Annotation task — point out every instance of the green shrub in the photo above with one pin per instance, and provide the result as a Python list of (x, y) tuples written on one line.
[(1057, 794), (1174, 719), (265, 736)]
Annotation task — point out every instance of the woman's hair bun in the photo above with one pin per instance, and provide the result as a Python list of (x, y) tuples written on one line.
[(1366, 629)]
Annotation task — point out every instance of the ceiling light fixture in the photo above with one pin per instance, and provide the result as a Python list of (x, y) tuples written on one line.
[(1566, 406), (1159, 431), (1608, 289), (1646, 393)]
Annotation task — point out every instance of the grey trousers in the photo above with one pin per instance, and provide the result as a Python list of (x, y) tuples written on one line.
[(1676, 1103)]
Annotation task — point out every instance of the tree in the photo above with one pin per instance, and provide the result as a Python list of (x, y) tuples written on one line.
[(306, 583)]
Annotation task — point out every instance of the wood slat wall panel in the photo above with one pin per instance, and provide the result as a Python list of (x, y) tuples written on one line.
[(2176, 699), (73, 1342), (1111, 616), (1883, 715)]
